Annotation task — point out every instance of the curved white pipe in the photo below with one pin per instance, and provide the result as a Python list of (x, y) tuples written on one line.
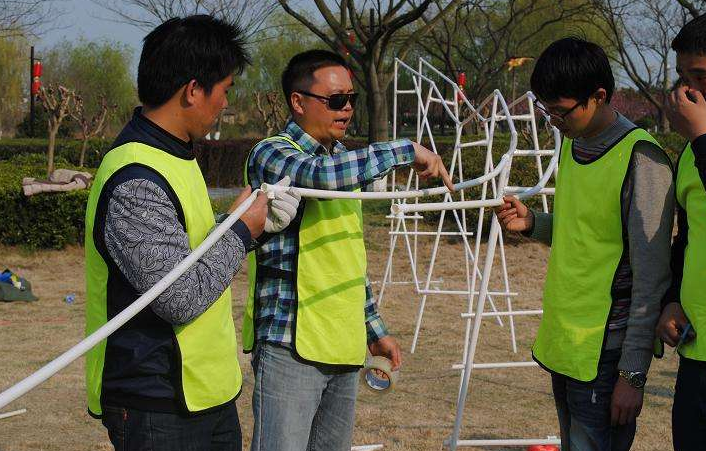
[(56, 365), (398, 209), (332, 194)]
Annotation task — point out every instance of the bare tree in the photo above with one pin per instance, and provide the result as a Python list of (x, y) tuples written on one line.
[(370, 31), (249, 15), (271, 109), (641, 32), (90, 125), (482, 36), (57, 101), (25, 17), (691, 6)]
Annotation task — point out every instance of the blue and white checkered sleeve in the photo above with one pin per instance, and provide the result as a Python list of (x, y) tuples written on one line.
[(374, 325), (345, 171)]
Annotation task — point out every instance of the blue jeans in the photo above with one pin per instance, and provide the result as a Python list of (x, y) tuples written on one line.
[(689, 410), (584, 410), (299, 406), (137, 430)]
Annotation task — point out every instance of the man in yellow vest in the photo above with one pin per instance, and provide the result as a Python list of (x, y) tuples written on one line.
[(311, 311), (683, 320), (168, 378), (609, 261)]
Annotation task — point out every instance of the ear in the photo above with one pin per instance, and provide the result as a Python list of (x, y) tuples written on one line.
[(297, 101), (600, 96), (192, 92)]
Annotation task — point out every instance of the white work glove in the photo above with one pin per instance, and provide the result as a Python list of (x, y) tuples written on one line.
[(282, 209)]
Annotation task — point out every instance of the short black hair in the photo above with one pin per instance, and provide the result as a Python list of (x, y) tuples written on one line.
[(299, 73), (198, 47), (572, 68), (692, 37)]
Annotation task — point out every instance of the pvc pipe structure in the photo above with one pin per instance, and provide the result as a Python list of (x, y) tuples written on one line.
[(56, 365)]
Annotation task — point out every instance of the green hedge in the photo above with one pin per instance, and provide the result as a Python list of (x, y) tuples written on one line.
[(57, 219), (68, 149), (41, 221)]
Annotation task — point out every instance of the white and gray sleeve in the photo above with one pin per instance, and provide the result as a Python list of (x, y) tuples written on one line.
[(650, 220), (146, 240)]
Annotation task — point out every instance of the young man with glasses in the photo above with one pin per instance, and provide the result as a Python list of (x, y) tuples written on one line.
[(311, 313), (609, 262)]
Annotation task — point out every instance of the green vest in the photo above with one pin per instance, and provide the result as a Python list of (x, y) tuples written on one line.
[(587, 244), (210, 374), (329, 280), (692, 198)]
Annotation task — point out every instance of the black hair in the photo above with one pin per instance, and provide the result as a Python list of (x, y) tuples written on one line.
[(198, 47), (572, 68), (299, 73), (692, 37)]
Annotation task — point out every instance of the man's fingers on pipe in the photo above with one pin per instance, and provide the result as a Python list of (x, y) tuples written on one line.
[(508, 212)]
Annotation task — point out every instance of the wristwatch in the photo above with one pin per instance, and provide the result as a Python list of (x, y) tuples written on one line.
[(635, 379)]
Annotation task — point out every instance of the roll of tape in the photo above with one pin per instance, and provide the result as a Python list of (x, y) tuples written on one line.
[(372, 380)]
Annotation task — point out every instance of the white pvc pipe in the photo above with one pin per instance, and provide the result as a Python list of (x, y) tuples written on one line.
[(506, 313), (121, 318), (367, 447), (507, 442), (12, 414), (441, 206), (490, 366)]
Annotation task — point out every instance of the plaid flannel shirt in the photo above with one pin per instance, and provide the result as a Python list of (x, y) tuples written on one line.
[(317, 168)]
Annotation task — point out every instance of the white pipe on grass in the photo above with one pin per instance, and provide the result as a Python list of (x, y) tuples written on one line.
[(56, 365), (12, 414)]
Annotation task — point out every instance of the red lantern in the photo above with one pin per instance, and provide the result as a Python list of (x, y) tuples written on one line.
[(461, 81), (37, 69), (543, 448), (36, 84)]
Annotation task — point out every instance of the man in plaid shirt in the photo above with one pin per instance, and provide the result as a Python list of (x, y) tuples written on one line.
[(303, 402)]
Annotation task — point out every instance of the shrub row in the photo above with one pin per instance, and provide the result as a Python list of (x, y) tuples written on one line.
[(41, 221), (55, 220)]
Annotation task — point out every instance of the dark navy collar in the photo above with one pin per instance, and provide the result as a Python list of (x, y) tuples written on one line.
[(142, 130)]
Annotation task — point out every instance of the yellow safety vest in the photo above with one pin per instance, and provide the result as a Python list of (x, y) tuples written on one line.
[(210, 373)]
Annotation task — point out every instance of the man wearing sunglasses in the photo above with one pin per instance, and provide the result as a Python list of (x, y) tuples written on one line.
[(311, 313), (609, 262)]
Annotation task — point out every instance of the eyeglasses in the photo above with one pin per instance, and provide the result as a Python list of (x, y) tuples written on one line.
[(335, 102), (557, 117)]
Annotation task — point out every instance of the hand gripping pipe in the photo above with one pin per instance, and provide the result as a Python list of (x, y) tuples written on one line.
[(111, 326)]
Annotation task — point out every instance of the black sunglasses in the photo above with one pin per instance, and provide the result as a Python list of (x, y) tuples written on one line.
[(335, 102)]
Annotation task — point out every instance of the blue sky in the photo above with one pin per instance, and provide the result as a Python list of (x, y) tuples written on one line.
[(83, 18)]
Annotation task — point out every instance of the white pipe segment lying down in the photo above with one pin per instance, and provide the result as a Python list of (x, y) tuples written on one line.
[(56, 365)]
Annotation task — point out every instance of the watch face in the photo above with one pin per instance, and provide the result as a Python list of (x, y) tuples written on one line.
[(635, 379), (638, 379)]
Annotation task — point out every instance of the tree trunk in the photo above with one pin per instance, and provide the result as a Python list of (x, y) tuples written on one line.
[(377, 107), (53, 130), (82, 158), (376, 100), (664, 125)]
